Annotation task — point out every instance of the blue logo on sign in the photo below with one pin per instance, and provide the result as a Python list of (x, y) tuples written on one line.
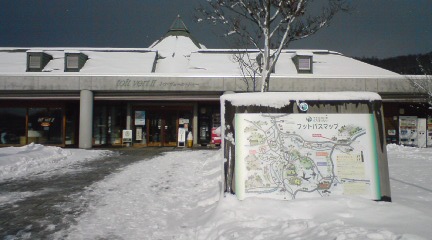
[(303, 106)]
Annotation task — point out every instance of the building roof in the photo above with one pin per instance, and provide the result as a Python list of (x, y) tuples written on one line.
[(178, 25), (178, 29), (178, 53), (100, 61)]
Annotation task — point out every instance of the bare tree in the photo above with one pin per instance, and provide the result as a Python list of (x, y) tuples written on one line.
[(270, 25), (249, 68), (423, 83)]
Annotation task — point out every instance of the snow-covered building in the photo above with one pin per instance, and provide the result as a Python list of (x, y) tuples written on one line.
[(86, 96)]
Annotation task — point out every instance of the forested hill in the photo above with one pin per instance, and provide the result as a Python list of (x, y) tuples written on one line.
[(408, 65)]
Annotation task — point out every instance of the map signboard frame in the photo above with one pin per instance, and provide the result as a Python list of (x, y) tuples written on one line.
[(301, 155)]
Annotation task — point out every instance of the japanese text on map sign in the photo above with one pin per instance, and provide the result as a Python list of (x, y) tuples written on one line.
[(288, 156)]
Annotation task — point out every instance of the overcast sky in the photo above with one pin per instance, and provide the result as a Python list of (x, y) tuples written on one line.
[(381, 28)]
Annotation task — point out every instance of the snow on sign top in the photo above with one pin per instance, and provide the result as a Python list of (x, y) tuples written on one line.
[(281, 99)]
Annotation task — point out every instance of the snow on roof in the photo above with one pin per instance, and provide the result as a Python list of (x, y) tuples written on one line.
[(34, 51), (119, 62), (72, 51), (57, 63), (281, 99), (180, 55), (304, 53), (174, 53), (325, 64), (175, 48), (227, 50), (100, 61), (213, 63), (331, 64), (14, 62)]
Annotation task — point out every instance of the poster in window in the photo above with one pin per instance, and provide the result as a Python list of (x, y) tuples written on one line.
[(140, 118), (138, 134)]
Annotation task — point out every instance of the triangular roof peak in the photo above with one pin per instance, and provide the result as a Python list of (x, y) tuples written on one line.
[(177, 29), (179, 25)]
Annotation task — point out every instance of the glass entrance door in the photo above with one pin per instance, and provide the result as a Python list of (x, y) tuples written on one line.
[(170, 130), (162, 129), (158, 126), (155, 129)]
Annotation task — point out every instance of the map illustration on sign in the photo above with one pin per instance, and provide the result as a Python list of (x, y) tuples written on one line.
[(288, 156)]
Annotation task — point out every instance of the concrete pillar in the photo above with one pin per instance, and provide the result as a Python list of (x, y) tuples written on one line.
[(195, 124), (86, 119), (129, 121)]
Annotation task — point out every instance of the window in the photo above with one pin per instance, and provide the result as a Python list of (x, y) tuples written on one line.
[(72, 61), (304, 64), (108, 124), (13, 125), (45, 125), (21, 125), (35, 61)]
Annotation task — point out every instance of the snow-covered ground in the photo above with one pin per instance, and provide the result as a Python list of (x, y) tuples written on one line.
[(177, 196), (36, 159)]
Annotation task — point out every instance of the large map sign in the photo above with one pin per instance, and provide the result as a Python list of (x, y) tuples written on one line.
[(288, 156)]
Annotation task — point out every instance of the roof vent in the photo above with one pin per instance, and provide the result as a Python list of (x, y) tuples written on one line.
[(74, 61), (37, 60), (304, 62)]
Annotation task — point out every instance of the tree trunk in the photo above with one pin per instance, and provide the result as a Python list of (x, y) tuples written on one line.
[(265, 80)]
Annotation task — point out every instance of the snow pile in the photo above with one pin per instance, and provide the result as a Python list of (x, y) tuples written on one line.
[(37, 159), (177, 196), (281, 99)]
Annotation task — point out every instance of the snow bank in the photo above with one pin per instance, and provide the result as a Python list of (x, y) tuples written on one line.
[(281, 99), (37, 159)]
